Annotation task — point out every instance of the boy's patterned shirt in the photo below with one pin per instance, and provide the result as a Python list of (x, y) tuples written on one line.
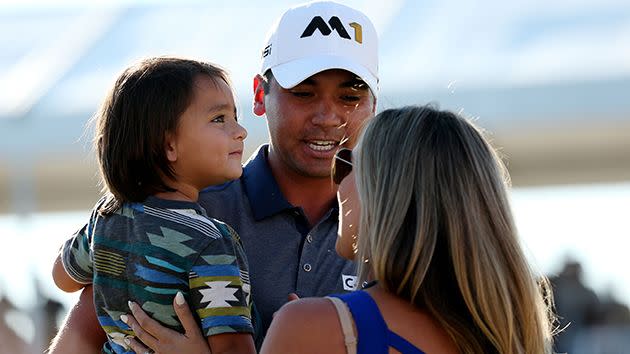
[(147, 252)]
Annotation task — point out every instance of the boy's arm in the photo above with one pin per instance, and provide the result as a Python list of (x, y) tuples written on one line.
[(80, 332), (63, 280), (73, 268)]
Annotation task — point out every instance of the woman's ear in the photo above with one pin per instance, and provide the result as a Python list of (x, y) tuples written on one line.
[(170, 147), (259, 96)]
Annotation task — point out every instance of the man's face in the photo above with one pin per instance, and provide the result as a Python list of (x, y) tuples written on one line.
[(308, 123)]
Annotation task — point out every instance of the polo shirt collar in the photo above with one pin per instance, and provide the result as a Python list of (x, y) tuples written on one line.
[(261, 187), (156, 202)]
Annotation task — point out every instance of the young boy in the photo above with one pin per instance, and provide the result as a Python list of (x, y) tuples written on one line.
[(166, 130)]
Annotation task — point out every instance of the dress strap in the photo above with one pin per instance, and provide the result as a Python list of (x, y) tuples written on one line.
[(346, 324), (401, 344), (372, 332), (370, 325)]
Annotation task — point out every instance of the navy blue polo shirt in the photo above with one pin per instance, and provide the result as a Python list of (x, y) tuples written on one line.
[(284, 255)]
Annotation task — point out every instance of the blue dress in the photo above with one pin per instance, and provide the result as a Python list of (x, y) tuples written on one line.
[(372, 332)]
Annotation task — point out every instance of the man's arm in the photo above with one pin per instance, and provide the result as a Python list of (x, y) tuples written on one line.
[(236, 343), (80, 332)]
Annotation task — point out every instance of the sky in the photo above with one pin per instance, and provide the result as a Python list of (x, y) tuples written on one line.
[(68, 52), (433, 43)]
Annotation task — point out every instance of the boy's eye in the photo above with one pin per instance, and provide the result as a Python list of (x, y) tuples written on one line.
[(219, 119)]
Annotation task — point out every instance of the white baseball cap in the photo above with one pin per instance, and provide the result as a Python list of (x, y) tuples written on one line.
[(318, 36)]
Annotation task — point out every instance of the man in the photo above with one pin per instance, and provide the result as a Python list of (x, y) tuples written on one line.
[(317, 85)]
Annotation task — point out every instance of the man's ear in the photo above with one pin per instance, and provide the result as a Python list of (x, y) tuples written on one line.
[(170, 147), (259, 95)]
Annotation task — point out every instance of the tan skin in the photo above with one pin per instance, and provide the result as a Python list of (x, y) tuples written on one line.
[(322, 333), (329, 106), (208, 124), (336, 94), (80, 319), (312, 326), (290, 333), (347, 232)]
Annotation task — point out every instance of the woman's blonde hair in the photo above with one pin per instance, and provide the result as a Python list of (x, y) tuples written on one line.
[(436, 229)]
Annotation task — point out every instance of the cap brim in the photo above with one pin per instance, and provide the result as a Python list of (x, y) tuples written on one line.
[(290, 74)]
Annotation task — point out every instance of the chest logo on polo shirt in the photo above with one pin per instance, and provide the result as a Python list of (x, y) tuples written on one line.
[(349, 282)]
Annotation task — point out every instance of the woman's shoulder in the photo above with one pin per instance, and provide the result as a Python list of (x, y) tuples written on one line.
[(317, 307), (304, 317), (308, 325), (414, 324)]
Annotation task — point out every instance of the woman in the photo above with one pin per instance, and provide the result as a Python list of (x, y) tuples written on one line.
[(425, 213), (435, 232)]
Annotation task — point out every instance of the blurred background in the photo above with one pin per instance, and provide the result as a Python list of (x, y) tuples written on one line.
[(549, 81)]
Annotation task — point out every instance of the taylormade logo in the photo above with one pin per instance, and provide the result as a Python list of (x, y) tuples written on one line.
[(349, 282), (318, 23), (266, 51)]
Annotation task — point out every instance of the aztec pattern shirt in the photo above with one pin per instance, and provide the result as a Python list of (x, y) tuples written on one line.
[(284, 253), (147, 252)]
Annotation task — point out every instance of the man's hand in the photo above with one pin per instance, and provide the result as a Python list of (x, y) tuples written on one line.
[(80, 332)]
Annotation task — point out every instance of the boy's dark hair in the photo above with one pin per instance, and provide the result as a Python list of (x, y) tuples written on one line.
[(144, 105)]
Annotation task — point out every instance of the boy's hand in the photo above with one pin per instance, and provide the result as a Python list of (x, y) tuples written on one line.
[(163, 340)]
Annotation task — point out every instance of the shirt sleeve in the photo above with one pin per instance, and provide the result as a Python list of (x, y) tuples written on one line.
[(219, 286), (76, 254)]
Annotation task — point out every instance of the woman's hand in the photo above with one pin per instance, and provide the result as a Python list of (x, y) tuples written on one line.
[(162, 340)]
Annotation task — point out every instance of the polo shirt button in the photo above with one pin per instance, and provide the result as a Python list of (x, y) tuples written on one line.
[(309, 238), (307, 267)]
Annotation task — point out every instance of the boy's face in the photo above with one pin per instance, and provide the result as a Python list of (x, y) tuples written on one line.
[(208, 144), (309, 122)]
